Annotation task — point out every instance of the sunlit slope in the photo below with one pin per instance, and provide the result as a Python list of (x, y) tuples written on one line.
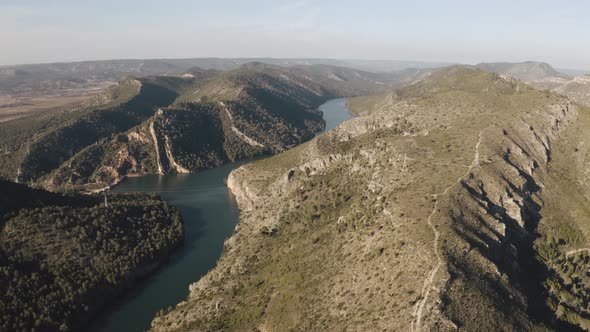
[(439, 210)]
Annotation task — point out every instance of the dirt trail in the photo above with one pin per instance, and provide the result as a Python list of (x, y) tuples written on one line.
[(419, 307)]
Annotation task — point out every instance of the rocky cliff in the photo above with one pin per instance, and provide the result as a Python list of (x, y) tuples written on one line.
[(459, 202)]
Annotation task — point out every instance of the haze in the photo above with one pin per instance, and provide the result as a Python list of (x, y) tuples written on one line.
[(34, 31)]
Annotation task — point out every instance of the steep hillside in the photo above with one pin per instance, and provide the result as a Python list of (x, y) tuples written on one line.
[(62, 258), (177, 124), (461, 194)]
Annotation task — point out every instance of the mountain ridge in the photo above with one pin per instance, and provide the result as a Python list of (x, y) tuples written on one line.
[(420, 215), (161, 124)]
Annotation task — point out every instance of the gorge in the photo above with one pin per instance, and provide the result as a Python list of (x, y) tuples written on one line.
[(210, 216)]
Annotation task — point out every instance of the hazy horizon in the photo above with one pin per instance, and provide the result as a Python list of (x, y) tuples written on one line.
[(34, 31)]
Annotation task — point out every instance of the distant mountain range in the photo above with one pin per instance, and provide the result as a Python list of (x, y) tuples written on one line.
[(36, 88), (44, 77), (15, 79)]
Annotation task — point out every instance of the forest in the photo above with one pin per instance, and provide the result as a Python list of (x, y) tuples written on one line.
[(62, 257)]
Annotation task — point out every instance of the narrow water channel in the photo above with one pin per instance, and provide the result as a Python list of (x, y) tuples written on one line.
[(210, 215)]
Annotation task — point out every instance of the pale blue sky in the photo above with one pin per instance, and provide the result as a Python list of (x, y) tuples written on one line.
[(452, 31)]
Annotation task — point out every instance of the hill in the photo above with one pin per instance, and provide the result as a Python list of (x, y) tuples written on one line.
[(165, 124), (525, 71), (543, 76), (464, 193), (62, 258)]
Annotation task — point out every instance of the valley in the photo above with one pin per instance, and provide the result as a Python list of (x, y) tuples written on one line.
[(182, 124), (39, 88), (167, 125), (210, 215), (274, 166), (451, 192)]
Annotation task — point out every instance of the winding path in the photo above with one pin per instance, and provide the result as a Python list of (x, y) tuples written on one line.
[(419, 307)]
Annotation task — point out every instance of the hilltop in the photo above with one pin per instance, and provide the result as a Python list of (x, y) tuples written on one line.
[(463, 193)]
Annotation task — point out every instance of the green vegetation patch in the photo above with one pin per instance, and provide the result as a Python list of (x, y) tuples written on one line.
[(63, 257)]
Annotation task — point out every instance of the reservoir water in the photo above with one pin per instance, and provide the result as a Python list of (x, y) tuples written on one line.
[(210, 215), (335, 112)]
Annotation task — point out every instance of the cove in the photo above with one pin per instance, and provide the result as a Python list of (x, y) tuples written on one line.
[(210, 216)]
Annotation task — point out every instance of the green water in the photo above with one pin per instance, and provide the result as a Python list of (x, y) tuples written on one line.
[(210, 215)]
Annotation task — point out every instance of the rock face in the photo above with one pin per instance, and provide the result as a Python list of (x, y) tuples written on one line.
[(451, 205)]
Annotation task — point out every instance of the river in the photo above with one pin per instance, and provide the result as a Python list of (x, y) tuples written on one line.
[(210, 215)]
